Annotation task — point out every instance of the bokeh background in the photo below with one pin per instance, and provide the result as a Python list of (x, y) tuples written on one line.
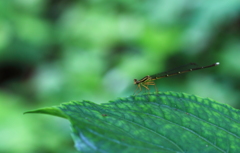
[(54, 51)]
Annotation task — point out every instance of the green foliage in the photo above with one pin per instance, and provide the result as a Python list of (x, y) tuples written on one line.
[(57, 51), (164, 122)]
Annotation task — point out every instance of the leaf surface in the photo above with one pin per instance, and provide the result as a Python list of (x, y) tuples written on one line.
[(165, 122)]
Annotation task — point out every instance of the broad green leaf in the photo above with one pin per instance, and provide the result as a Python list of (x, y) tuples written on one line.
[(165, 122)]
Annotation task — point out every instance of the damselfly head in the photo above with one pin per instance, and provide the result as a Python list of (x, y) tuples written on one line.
[(135, 81)]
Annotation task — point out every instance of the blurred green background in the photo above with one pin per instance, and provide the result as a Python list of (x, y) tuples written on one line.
[(54, 51)]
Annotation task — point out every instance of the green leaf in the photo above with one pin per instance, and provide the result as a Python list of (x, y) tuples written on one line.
[(165, 122)]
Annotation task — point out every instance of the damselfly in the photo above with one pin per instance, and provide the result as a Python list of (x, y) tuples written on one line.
[(149, 79)]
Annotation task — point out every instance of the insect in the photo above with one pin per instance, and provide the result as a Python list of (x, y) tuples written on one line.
[(149, 79)]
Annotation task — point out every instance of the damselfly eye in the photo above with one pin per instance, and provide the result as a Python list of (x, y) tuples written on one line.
[(135, 81)]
